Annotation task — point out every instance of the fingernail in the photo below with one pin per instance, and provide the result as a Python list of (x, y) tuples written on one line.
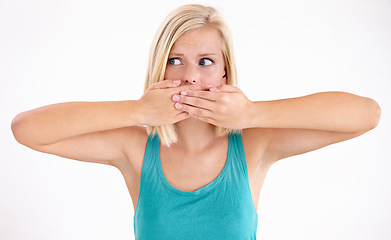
[(208, 86), (175, 98), (178, 105), (176, 82), (213, 89), (183, 93)]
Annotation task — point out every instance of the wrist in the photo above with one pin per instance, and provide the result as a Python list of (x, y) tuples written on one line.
[(134, 110), (252, 114), (255, 114)]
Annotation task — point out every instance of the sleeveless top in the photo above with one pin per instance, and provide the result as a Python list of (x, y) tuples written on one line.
[(223, 209)]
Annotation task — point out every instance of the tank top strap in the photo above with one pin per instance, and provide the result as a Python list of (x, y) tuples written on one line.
[(149, 170), (151, 152), (238, 157)]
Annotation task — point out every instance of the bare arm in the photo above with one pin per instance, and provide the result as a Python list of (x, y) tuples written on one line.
[(330, 111), (298, 125), (282, 128), (97, 131), (77, 130), (53, 123)]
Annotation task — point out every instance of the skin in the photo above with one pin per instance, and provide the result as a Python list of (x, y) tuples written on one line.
[(195, 98)]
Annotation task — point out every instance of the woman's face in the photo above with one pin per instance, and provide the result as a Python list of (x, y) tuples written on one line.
[(196, 58)]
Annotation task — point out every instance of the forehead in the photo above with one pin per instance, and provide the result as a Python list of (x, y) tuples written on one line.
[(204, 39)]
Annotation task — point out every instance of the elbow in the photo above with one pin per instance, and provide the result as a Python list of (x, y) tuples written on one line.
[(373, 114), (24, 131), (19, 128), (16, 126)]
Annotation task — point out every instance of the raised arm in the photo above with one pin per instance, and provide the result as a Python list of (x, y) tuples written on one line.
[(282, 128), (330, 111), (50, 124), (77, 130), (97, 131), (298, 125)]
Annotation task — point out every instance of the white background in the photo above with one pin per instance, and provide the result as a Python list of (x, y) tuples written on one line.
[(87, 50)]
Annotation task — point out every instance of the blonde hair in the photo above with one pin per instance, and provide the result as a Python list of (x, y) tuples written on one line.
[(178, 22)]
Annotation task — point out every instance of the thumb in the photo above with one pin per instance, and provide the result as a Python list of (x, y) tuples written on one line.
[(181, 116), (165, 84), (225, 88)]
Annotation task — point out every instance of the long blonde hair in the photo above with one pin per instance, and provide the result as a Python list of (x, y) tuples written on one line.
[(178, 22)]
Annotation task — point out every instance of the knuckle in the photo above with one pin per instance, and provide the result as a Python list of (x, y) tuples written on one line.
[(224, 98), (223, 109)]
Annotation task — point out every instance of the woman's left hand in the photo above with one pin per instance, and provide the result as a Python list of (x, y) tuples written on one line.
[(224, 106)]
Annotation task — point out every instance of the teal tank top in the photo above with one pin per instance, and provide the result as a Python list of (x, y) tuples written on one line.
[(223, 209)]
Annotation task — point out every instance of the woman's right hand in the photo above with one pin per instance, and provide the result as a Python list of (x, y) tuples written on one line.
[(156, 107)]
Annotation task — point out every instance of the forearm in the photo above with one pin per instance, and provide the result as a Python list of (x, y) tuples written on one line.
[(332, 111), (53, 123)]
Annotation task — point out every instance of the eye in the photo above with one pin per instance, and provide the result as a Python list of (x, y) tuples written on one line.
[(206, 62), (174, 61)]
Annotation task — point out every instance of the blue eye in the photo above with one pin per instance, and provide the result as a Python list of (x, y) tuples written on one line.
[(174, 61), (205, 62)]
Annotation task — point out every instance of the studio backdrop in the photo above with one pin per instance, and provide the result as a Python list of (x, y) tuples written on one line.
[(85, 50)]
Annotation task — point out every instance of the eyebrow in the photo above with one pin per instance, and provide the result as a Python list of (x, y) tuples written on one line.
[(199, 55)]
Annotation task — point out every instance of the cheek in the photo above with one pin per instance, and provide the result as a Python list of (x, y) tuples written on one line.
[(213, 80), (214, 77), (169, 74)]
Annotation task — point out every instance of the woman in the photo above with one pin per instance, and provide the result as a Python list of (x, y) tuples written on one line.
[(196, 170)]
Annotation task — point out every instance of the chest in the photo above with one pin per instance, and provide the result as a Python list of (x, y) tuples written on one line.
[(191, 171)]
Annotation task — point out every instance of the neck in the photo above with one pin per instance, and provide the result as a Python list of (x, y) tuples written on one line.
[(194, 135)]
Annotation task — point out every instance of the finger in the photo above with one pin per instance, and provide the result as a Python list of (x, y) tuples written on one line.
[(211, 96), (204, 119), (181, 116), (194, 101), (193, 87), (165, 84), (195, 111), (184, 89), (224, 88)]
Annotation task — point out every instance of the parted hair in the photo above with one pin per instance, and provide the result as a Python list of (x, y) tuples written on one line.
[(179, 21)]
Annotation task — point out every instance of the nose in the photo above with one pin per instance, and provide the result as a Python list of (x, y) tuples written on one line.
[(190, 82), (191, 75)]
